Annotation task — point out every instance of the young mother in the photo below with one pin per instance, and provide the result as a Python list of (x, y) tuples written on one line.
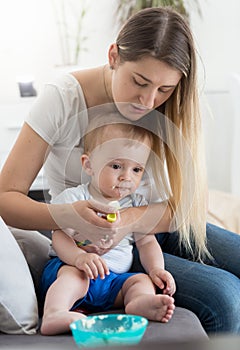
[(152, 66)]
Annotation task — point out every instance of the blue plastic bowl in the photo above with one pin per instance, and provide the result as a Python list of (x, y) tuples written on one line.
[(112, 329)]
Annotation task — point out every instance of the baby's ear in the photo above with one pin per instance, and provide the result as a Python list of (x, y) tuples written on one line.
[(86, 164)]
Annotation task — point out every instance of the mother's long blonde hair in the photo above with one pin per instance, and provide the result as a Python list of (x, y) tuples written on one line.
[(163, 34)]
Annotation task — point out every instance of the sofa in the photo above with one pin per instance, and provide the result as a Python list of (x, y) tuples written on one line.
[(183, 327), (20, 295), (19, 312)]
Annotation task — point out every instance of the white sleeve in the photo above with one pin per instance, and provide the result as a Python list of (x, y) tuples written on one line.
[(58, 109), (47, 114)]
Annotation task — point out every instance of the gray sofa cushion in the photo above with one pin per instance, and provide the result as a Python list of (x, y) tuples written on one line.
[(183, 327)]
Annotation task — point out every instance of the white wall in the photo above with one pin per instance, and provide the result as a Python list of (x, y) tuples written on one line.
[(217, 39), (30, 46)]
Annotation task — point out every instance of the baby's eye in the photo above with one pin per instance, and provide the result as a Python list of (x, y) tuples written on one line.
[(116, 166), (137, 170)]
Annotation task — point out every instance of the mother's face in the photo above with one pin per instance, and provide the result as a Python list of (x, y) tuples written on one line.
[(141, 86)]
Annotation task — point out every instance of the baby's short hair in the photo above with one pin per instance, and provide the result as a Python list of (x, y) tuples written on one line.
[(99, 131)]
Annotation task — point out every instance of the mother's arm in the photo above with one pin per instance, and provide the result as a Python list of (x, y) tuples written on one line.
[(150, 219), (154, 218), (20, 169)]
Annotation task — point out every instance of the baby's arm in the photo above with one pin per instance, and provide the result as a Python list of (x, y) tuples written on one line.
[(68, 251), (152, 260)]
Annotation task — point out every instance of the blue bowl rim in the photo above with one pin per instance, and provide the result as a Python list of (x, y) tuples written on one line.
[(141, 325)]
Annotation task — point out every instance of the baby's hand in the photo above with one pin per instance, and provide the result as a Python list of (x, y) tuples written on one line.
[(92, 264), (164, 280)]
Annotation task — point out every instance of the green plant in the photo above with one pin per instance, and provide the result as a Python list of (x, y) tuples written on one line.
[(126, 8), (70, 16)]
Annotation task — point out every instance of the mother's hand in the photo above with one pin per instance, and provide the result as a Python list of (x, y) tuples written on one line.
[(144, 220), (81, 221)]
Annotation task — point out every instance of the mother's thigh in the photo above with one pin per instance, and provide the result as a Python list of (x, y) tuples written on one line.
[(225, 248), (210, 292), (223, 245)]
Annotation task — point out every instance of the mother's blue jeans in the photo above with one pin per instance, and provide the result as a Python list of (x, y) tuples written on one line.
[(211, 292)]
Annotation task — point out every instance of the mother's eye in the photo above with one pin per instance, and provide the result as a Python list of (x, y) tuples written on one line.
[(139, 84)]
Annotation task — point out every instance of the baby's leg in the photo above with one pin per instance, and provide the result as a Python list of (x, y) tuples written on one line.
[(141, 299), (70, 285)]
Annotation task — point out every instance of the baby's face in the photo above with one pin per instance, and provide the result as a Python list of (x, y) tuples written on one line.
[(118, 166)]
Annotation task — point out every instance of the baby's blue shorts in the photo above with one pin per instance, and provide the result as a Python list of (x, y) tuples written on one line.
[(101, 293)]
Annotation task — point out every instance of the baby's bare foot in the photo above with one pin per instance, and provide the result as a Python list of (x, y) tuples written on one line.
[(58, 322), (154, 307)]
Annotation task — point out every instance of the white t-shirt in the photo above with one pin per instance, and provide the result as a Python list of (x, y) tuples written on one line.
[(119, 259), (60, 116)]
